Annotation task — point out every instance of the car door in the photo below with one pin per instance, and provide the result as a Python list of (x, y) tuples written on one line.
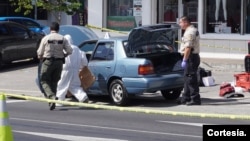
[(8, 44), (27, 43), (102, 64), (88, 47)]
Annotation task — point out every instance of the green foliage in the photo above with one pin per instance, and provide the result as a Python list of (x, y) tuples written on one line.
[(68, 6)]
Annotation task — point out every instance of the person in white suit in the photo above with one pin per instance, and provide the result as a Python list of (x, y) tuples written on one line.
[(70, 80)]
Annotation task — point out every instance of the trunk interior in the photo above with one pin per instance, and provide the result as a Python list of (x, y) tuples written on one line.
[(164, 62)]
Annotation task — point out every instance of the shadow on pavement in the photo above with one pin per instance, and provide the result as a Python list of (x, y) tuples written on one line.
[(226, 101), (159, 101)]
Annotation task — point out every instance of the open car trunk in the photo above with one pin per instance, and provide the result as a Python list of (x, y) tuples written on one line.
[(164, 62), (156, 43)]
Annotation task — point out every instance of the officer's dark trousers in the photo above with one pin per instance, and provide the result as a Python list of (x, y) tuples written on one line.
[(191, 86), (50, 74)]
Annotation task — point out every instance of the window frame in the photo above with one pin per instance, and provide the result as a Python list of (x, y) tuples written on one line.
[(242, 25), (106, 47)]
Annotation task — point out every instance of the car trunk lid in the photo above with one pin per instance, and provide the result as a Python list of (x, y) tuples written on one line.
[(164, 34), (156, 43)]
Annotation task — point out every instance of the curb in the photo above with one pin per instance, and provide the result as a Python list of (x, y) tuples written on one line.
[(137, 110)]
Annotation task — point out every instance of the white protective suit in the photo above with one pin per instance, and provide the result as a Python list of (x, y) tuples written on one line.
[(70, 80)]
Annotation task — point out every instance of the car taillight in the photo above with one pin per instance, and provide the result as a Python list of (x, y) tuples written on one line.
[(145, 69)]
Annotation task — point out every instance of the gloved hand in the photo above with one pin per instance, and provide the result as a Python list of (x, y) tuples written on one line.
[(184, 64)]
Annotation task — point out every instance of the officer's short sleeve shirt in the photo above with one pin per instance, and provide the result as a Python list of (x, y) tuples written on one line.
[(53, 45), (190, 39)]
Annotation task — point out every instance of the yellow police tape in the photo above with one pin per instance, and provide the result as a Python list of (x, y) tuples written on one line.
[(128, 109), (202, 45), (106, 29)]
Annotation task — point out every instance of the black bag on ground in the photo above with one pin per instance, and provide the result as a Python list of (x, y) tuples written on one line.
[(202, 73)]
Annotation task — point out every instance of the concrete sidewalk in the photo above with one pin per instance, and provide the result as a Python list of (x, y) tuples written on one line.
[(215, 64)]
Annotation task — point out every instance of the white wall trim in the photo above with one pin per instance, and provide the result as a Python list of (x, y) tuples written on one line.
[(222, 55)]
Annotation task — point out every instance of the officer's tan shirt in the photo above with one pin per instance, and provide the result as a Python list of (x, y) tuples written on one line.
[(53, 45), (191, 39)]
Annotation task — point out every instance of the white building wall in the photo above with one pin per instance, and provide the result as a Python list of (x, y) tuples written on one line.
[(149, 12), (215, 47), (96, 12), (66, 19)]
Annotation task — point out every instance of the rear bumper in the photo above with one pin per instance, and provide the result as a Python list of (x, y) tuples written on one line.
[(147, 84)]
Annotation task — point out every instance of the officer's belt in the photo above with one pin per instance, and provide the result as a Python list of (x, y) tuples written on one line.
[(53, 59)]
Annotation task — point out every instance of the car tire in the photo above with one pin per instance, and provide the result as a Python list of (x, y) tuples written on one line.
[(1, 61), (118, 93), (172, 94)]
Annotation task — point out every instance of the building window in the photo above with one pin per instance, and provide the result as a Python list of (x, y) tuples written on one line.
[(42, 14), (123, 15), (81, 17), (3, 9), (170, 11), (248, 16), (222, 16), (120, 8), (190, 9)]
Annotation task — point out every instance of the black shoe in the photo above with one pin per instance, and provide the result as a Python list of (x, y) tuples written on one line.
[(181, 102), (193, 103), (52, 106)]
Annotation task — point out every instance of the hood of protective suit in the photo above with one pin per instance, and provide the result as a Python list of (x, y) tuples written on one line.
[(69, 39)]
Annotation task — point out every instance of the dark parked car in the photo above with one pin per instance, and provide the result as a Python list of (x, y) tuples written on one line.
[(30, 23), (17, 42)]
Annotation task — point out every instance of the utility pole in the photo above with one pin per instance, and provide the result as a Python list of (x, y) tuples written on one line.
[(34, 2)]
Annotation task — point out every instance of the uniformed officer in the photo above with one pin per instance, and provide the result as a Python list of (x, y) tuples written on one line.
[(51, 53), (190, 50)]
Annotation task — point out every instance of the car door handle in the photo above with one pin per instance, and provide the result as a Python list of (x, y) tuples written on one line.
[(108, 67)]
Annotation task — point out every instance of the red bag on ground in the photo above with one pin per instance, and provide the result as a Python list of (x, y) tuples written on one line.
[(226, 88)]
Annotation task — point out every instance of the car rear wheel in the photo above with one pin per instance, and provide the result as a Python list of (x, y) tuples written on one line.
[(118, 93), (171, 94)]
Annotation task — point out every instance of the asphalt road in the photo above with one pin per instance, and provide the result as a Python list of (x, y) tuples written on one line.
[(33, 121)]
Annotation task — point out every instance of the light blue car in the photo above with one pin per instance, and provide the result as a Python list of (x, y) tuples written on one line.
[(146, 61)]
